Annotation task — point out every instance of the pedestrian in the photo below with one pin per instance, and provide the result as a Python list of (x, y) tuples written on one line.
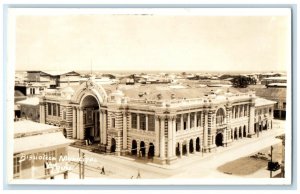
[(139, 175), (103, 171)]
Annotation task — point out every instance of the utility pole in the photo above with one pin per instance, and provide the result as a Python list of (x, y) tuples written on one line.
[(83, 164), (79, 166), (271, 161)]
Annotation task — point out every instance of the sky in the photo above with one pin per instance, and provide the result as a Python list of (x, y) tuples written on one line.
[(152, 42)]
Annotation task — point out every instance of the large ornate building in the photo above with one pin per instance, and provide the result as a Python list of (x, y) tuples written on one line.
[(160, 122)]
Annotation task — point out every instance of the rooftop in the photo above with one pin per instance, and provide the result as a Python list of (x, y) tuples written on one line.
[(263, 102), (36, 142), (33, 101), (27, 127)]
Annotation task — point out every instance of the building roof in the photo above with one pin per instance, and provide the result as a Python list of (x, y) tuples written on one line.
[(18, 93), (271, 93), (167, 92), (36, 142), (263, 102), (26, 127), (33, 101), (54, 73)]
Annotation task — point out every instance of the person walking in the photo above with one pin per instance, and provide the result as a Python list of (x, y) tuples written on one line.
[(103, 171), (139, 175)]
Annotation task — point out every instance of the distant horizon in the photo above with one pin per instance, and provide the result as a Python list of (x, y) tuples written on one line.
[(156, 71)]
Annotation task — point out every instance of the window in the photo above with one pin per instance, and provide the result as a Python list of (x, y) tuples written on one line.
[(134, 120), (49, 109), (17, 166), (142, 122), (192, 118), (54, 109), (199, 119), (236, 112), (113, 122), (151, 123), (58, 110), (178, 119), (220, 116), (284, 105)]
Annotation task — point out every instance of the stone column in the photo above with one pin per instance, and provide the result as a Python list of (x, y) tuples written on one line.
[(195, 120), (146, 149), (180, 149), (233, 116), (187, 147), (162, 138), (181, 122), (189, 121), (251, 119), (78, 124), (81, 129), (157, 133), (194, 145), (101, 126), (42, 113), (170, 141), (138, 147), (225, 136), (124, 131), (174, 136), (104, 127), (146, 122), (205, 132), (74, 123), (138, 121)]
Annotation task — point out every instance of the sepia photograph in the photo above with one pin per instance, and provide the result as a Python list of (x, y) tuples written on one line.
[(156, 96)]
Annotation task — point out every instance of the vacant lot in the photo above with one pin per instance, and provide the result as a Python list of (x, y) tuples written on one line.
[(249, 165)]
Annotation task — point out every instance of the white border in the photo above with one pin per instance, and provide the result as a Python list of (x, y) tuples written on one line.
[(13, 12)]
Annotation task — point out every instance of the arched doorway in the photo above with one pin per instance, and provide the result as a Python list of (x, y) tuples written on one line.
[(191, 148), (198, 147), (235, 133), (151, 150), (178, 150), (219, 139), (113, 145), (90, 120), (133, 148), (184, 149), (65, 132), (142, 149)]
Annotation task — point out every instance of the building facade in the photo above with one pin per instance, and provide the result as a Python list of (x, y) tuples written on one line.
[(34, 156), (163, 128)]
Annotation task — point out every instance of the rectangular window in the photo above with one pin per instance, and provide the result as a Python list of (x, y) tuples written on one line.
[(54, 109), (198, 119), (284, 105), (142, 122), (134, 120), (17, 166), (49, 109), (151, 123), (192, 118), (178, 119), (58, 110), (113, 122)]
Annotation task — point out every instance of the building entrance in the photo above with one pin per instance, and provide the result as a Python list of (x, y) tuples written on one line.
[(219, 139)]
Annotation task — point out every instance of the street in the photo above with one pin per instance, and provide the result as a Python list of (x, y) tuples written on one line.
[(194, 166)]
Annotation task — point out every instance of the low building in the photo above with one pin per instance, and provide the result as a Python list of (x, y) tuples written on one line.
[(29, 109), (37, 149), (275, 94), (164, 123)]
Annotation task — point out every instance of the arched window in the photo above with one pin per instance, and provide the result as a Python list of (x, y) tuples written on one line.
[(220, 119)]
